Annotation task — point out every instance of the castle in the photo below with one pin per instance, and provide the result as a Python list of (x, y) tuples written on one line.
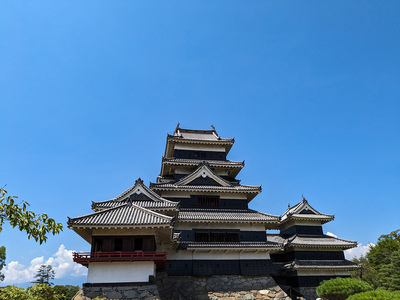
[(195, 220)]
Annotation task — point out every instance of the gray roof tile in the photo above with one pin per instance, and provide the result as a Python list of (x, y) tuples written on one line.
[(123, 215), (225, 215), (313, 241)]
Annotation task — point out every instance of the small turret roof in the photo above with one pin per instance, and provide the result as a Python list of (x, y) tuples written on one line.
[(304, 211), (194, 136)]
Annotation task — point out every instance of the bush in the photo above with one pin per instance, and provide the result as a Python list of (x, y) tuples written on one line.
[(341, 288), (15, 293), (376, 295)]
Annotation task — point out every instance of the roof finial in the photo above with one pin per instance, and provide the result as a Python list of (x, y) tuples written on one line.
[(177, 126), (212, 126), (304, 199), (288, 205)]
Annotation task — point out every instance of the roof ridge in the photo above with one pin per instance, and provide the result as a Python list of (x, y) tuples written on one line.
[(202, 165)]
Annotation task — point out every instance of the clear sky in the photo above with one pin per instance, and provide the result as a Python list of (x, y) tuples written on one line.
[(89, 90)]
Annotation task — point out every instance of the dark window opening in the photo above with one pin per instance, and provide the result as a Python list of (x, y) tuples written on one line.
[(201, 237), (98, 245), (231, 237), (118, 245), (138, 244), (216, 237), (208, 201)]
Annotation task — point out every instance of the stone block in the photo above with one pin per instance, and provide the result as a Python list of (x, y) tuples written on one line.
[(114, 295), (264, 292), (130, 294)]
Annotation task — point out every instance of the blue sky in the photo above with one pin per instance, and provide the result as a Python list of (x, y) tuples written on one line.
[(89, 90)]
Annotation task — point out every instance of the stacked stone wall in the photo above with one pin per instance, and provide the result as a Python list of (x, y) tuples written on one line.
[(217, 287)]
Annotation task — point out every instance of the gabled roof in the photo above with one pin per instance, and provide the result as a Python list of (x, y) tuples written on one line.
[(203, 171), (312, 241), (203, 179), (199, 135), (304, 211), (125, 216), (140, 195), (192, 136), (225, 216)]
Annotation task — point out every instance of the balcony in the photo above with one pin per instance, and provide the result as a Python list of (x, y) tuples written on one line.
[(158, 257)]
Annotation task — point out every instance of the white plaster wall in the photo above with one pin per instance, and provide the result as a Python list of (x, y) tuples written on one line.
[(114, 232), (112, 272)]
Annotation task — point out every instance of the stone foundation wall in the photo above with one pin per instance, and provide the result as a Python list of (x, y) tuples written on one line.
[(123, 292), (217, 287)]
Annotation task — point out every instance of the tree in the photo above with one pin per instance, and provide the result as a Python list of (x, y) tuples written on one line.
[(340, 288), (66, 292), (44, 274), (2, 261), (381, 264), (37, 226), (376, 295)]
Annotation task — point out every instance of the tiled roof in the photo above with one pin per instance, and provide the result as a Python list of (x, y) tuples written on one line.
[(321, 264), (225, 215), (202, 135), (148, 199), (203, 170), (304, 211), (224, 189), (223, 246), (138, 186), (124, 216), (313, 241), (153, 205), (196, 162)]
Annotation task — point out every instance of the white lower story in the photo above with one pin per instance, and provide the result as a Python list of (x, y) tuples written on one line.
[(117, 272)]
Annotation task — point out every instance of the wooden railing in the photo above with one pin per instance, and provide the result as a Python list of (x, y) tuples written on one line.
[(84, 258)]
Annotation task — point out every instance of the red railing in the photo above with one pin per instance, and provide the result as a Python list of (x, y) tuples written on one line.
[(84, 258)]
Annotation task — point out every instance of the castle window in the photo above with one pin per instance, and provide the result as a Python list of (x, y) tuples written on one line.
[(216, 237), (232, 237), (201, 237), (208, 201), (118, 245)]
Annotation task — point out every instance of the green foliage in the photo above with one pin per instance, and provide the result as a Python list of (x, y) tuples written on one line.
[(385, 246), (340, 288), (376, 295), (13, 292), (381, 265), (44, 274), (38, 292), (65, 291), (2, 261), (36, 226), (44, 292)]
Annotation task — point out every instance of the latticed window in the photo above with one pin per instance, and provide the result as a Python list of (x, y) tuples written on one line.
[(216, 237), (208, 201), (201, 237), (231, 237)]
